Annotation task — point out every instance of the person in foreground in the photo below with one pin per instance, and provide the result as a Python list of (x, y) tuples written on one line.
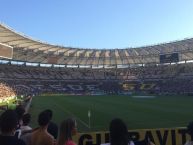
[(67, 130), (118, 133), (8, 125), (40, 136), (25, 126), (190, 132)]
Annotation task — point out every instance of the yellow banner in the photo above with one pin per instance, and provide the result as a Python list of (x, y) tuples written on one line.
[(162, 136)]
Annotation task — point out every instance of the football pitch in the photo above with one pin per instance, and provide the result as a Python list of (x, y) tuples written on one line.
[(138, 112)]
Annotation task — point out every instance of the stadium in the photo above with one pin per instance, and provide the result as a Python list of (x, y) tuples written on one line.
[(150, 87)]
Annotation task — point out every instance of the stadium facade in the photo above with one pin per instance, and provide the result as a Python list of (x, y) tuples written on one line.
[(27, 49), (161, 68)]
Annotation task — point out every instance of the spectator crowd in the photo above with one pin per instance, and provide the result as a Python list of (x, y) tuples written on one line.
[(26, 80), (6, 91), (15, 130)]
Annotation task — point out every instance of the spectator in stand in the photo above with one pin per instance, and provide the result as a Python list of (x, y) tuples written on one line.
[(41, 136), (67, 130), (26, 120), (190, 132), (52, 127), (8, 124)]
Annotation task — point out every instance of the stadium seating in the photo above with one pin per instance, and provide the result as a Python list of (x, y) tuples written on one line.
[(147, 79)]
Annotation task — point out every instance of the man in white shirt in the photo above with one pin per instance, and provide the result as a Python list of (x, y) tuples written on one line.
[(26, 120)]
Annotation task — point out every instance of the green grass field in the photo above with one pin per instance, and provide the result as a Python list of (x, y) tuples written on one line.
[(159, 112)]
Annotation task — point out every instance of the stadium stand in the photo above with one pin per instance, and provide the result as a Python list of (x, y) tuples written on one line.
[(172, 79), (6, 93)]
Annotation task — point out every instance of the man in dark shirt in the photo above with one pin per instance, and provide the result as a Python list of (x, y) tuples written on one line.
[(8, 124)]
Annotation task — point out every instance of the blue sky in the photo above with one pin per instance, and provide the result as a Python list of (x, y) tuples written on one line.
[(100, 23)]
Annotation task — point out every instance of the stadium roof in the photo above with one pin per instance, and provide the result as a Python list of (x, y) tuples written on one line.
[(30, 50)]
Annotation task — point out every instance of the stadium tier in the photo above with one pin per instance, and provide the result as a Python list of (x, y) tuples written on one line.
[(29, 50)]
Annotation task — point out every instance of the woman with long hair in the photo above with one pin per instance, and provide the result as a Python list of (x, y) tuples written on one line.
[(119, 133), (67, 130)]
